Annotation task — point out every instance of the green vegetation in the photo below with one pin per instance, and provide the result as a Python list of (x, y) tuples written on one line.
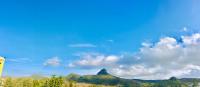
[(93, 81), (172, 82), (102, 79), (44, 82)]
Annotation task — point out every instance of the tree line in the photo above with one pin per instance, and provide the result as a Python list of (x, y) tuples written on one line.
[(54, 81)]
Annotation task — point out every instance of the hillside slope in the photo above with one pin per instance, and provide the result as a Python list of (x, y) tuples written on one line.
[(104, 78)]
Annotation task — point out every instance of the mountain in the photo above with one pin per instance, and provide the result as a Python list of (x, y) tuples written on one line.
[(103, 72), (103, 78)]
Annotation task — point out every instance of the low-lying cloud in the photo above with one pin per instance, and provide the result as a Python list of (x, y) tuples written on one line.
[(161, 60)]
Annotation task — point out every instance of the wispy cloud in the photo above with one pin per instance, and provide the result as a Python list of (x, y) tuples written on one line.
[(54, 61), (19, 60), (82, 45), (110, 40)]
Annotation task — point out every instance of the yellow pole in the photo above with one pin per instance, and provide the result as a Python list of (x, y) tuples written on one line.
[(2, 60)]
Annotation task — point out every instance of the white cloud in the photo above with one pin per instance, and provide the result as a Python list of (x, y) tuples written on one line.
[(161, 60), (164, 59), (92, 60), (82, 45), (194, 39), (145, 44), (111, 59), (55, 61)]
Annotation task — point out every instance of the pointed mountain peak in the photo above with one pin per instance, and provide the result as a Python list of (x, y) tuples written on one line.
[(103, 72), (173, 78)]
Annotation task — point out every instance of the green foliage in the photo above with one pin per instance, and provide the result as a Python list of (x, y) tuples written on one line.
[(195, 83), (8, 83), (29, 82), (104, 80), (74, 80), (73, 77), (172, 82), (147, 85), (54, 81)]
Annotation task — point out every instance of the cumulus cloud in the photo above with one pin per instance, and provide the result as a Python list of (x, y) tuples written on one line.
[(164, 59), (94, 60), (160, 60), (194, 39), (54, 61), (82, 45)]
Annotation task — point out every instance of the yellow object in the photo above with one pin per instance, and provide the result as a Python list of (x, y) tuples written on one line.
[(2, 60)]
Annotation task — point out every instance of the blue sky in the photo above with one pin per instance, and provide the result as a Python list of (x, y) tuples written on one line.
[(46, 36)]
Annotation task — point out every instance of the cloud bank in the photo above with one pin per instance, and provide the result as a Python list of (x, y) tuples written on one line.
[(161, 60)]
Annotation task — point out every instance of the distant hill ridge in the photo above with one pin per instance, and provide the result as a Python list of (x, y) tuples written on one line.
[(104, 78)]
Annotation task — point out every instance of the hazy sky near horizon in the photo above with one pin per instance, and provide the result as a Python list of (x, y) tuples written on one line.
[(131, 38)]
